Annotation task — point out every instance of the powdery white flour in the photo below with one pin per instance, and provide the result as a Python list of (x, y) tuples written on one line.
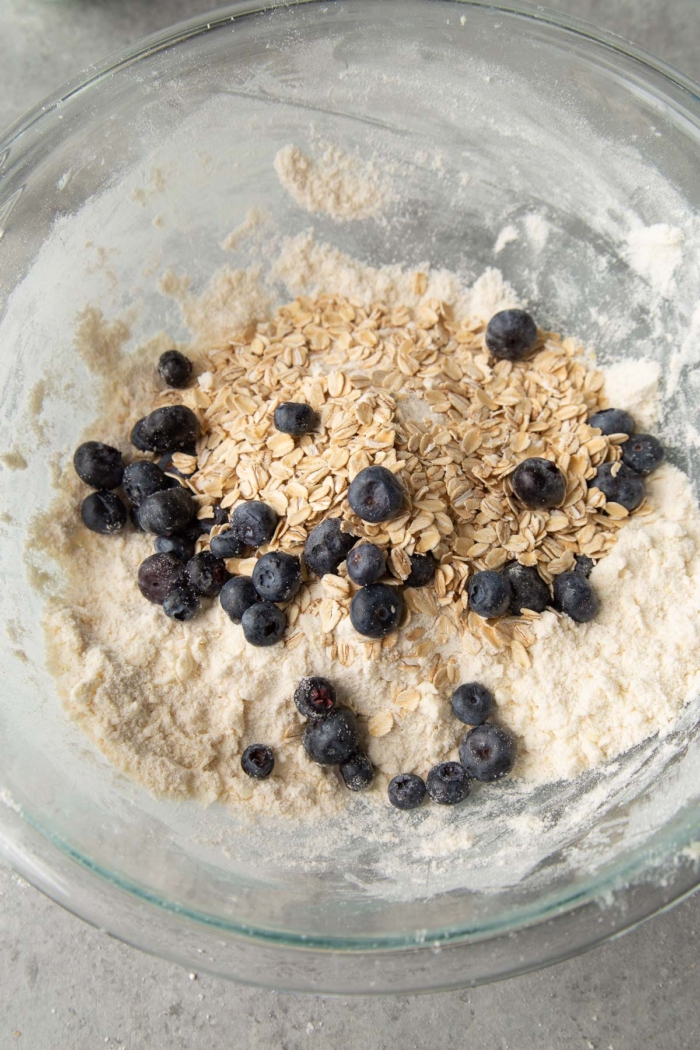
[(342, 186), (173, 705)]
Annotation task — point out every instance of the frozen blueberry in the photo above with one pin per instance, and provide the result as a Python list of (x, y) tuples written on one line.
[(643, 453), (511, 334), (227, 544), (277, 576), (168, 467), (292, 417), (584, 565), (423, 568), (529, 589), (375, 611), (167, 511), (135, 520), (160, 574), (169, 429), (174, 368), (490, 593), (406, 791), (220, 515), (254, 523), (472, 703), (142, 479), (181, 604), (237, 595), (103, 512), (206, 574), (487, 753), (263, 624), (619, 484), (193, 530), (613, 421), (366, 564), (181, 547), (327, 546), (258, 761), (375, 494), (574, 596), (538, 483), (447, 783), (333, 739), (138, 436), (98, 465), (314, 698), (357, 771)]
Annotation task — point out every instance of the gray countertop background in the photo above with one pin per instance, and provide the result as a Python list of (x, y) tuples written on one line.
[(64, 985)]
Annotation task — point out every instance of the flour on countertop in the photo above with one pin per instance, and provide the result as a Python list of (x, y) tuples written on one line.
[(173, 705), (333, 182)]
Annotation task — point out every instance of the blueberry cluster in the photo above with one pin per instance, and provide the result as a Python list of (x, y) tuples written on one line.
[(623, 482), (252, 601), (517, 587), (331, 736), (487, 753)]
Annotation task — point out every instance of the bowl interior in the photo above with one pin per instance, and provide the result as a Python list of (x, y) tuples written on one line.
[(481, 120)]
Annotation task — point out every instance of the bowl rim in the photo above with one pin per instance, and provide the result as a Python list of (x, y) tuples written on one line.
[(31, 850)]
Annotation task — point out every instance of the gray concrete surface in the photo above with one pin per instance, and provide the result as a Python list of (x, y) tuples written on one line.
[(64, 985)]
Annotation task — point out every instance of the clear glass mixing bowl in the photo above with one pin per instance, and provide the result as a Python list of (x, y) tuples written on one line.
[(484, 114)]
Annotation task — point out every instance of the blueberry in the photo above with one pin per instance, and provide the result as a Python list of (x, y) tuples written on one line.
[(487, 753), (160, 574), (227, 544), (375, 611), (625, 486), (613, 421), (423, 568), (333, 739), (103, 512), (206, 574), (138, 436), (490, 593), (472, 703), (167, 511), (357, 771), (366, 563), (314, 698), (277, 576), (406, 791), (375, 494), (447, 783), (295, 418), (574, 596), (643, 453), (174, 368), (238, 595), (193, 530), (142, 479), (263, 624), (529, 589), (327, 546), (538, 483), (220, 515), (135, 520), (168, 429), (511, 334), (258, 761), (254, 523), (181, 604), (177, 545), (584, 565), (98, 465), (168, 467)]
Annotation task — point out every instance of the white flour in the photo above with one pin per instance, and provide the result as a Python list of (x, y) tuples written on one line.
[(173, 705), (655, 253), (343, 187)]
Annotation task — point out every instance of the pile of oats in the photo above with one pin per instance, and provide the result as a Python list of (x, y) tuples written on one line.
[(419, 394)]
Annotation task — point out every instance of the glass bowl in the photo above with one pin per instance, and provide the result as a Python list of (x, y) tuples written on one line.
[(487, 117)]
